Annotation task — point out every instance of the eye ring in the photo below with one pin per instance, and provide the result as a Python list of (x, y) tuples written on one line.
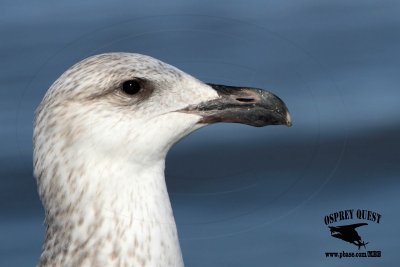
[(131, 87)]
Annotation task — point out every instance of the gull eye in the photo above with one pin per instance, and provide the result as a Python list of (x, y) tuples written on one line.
[(131, 87)]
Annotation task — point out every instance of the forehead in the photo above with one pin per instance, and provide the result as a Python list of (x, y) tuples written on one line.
[(123, 65), (103, 73)]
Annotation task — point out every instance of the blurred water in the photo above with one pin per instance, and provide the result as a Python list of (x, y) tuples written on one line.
[(253, 196)]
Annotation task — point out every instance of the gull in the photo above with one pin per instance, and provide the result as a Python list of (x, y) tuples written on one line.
[(101, 135)]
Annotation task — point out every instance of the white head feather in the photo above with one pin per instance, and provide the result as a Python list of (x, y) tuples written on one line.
[(99, 161)]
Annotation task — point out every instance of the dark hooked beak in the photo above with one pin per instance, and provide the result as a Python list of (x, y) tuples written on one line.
[(245, 105)]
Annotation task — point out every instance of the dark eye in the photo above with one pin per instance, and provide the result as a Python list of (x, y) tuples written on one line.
[(131, 87)]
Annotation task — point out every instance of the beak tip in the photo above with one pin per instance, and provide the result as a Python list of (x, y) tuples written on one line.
[(288, 120)]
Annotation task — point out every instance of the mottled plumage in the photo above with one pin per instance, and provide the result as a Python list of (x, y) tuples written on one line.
[(99, 158)]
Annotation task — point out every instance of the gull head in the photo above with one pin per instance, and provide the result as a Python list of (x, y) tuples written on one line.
[(101, 135), (135, 106)]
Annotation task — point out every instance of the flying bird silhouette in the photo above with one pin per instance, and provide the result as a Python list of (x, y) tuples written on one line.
[(348, 233)]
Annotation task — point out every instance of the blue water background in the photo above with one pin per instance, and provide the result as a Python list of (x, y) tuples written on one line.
[(242, 196)]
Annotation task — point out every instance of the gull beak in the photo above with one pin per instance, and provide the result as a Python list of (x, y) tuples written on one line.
[(244, 105)]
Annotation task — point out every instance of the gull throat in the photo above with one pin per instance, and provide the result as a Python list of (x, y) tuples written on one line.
[(125, 220)]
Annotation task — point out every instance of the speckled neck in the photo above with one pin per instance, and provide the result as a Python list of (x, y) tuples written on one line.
[(103, 214)]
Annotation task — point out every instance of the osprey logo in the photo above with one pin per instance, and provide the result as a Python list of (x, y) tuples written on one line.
[(348, 233)]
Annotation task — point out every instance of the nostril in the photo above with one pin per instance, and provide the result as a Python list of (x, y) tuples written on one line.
[(245, 99)]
